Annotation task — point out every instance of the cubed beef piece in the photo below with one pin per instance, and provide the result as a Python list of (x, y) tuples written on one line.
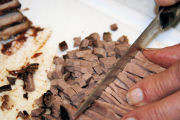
[(111, 53), (47, 99), (83, 53), (114, 27), (98, 69), (92, 38), (54, 90), (121, 49), (72, 54), (58, 60), (100, 52), (109, 46), (77, 41), (123, 40), (37, 112), (108, 62), (84, 43), (63, 46), (107, 37), (29, 83)]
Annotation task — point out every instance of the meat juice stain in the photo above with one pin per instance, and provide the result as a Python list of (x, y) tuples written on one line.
[(36, 55), (36, 30), (6, 48)]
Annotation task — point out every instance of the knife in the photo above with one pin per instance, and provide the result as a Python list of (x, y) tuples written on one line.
[(166, 18)]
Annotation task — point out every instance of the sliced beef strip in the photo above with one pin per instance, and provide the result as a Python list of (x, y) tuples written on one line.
[(116, 96), (77, 41), (105, 111), (71, 111), (137, 70), (9, 6), (149, 66), (56, 102), (133, 77), (123, 77), (10, 18), (114, 27), (11, 80), (107, 37), (29, 85), (37, 112), (100, 52), (11, 31), (94, 115), (119, 111)]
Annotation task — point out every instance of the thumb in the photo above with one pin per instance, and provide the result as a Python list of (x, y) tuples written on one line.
[(166, 2), (165, 56)]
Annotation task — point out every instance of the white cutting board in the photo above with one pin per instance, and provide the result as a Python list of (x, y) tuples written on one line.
[(70, 18)]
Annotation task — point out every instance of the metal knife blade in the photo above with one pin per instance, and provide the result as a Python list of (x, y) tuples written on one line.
[(167, 17)]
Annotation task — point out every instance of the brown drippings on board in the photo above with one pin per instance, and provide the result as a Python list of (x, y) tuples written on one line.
[(35, 30), (36, 55), (25, 96), (11, 47), (5, 103)]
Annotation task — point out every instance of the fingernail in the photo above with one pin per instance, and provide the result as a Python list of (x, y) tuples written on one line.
[(130, 118), (135, 96)]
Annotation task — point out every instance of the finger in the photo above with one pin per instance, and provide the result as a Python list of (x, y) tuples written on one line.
[(155, 87), (164, 57), (165, 109), (166, 2)]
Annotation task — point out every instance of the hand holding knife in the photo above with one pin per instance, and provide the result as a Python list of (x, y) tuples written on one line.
[(166, 18)]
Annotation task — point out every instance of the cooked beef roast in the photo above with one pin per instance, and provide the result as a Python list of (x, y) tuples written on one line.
[(81, 70)]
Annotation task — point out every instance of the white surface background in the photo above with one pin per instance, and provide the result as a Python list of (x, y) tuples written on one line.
[(70, 18)]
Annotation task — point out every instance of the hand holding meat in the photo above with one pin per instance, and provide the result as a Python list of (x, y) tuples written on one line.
[(158, 95)]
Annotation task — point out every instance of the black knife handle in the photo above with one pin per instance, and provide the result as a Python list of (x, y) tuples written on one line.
[(170, 15)]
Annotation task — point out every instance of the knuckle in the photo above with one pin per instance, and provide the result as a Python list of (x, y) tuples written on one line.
[(157, 113)]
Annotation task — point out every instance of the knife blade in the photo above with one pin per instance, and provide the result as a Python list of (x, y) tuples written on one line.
[(154, 28)]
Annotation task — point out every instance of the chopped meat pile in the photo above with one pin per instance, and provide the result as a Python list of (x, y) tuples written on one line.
[(12, 21), (80, 70)]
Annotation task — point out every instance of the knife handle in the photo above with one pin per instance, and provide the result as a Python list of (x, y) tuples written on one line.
[(169, 16)]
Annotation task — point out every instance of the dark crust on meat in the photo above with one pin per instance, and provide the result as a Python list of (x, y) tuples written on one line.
[(5, 88), (63, 46)]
